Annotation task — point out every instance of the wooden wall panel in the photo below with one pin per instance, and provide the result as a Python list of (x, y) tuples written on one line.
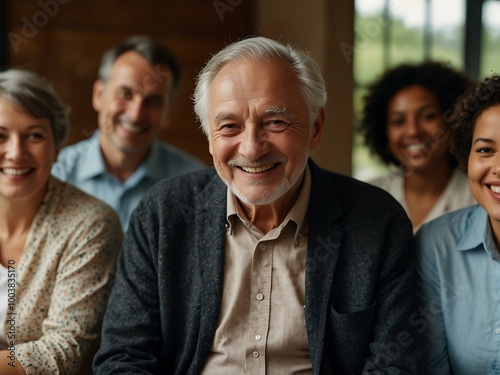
[(64, 41), (320, 26), (4, 27)]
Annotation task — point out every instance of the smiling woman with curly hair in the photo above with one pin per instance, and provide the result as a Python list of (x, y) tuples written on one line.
[(465, 115), (406, 123), (458, 257)]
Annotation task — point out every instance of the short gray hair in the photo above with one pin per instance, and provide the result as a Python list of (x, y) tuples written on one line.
[(32, 93), (152, 51), (312, 85)]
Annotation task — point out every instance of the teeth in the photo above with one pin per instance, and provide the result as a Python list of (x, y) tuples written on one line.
[(16, 172), (416, 147), (495, 189), (258, 169), (131, 128)]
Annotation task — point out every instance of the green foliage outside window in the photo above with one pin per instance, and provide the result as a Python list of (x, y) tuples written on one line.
[(382, 42)]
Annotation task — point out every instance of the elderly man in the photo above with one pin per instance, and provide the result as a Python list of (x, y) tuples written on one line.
[(138, 80), (267, 263)]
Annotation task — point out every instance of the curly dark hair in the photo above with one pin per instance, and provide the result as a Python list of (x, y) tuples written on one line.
[(468, 108), (445, 82)]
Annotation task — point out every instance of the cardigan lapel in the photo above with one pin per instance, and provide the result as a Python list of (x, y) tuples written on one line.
[(323, 248), (322, 252), (210, 223)]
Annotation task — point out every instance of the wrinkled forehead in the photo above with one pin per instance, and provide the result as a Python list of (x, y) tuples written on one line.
[(255, 74)]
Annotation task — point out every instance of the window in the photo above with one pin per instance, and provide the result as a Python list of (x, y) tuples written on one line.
[(390, 32), (490, 38), (4, 30)]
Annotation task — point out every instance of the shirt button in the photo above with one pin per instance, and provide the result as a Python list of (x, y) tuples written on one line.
[(257, 337), (259, 296), (245, 223), (262, 247), (297, 240), (255, 354), (497, 330)]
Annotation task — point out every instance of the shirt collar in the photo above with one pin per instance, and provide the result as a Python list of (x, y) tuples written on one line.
[(296, 214), (152, 167), (478, 233), (93, 162)]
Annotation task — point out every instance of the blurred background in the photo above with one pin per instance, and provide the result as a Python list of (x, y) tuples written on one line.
[(465, 33), (353, 42)]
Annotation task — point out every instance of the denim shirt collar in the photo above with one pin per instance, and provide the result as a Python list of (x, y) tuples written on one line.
[(478, 233), (93, 164)]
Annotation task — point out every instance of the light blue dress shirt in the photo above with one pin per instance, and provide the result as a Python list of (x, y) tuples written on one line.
[(458, 279), (83, 166)]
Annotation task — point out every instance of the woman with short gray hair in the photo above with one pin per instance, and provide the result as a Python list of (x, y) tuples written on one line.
[(58, 246)]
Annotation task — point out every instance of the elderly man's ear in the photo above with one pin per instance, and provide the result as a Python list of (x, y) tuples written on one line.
[(318, 129)]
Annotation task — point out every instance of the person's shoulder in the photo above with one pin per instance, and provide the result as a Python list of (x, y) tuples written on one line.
[(352, 191), (457, 218), (176, 199), (386, 181), (76, 149), (182, 186), (440, 237), (74, 201), (179, 157), (364, 208), (448, 227), (69, 158)]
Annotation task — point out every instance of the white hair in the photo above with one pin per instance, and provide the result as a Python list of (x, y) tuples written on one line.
[(311, 83)]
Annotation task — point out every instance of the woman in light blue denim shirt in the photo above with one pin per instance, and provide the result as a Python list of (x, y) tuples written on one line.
[(458, 259)]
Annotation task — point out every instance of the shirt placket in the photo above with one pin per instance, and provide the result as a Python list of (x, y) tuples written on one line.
[(260, 307), (495, 360)]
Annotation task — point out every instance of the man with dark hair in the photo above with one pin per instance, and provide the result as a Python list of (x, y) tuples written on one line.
[(137, 82)]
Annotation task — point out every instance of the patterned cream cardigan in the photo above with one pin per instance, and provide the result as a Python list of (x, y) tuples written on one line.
[(63, 281)]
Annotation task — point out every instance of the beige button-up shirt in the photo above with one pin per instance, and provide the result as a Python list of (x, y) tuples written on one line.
[(262, 328)]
